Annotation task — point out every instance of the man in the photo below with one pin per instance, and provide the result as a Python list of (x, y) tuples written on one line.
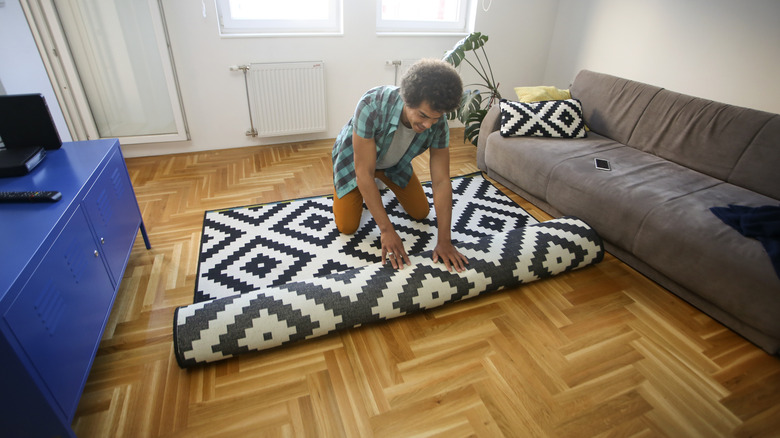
[(390, 127)]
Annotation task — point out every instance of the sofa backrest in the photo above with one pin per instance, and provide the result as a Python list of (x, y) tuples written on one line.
[(700, 134), (731, 143), (611, 105), (758, 168)]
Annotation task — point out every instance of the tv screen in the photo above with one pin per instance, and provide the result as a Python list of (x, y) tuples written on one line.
[(25, 122)]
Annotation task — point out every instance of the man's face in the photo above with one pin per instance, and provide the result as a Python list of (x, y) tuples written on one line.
[(420, 118)]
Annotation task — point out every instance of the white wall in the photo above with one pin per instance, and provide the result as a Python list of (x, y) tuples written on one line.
[(215, 100), (21, 68), (724, 50)]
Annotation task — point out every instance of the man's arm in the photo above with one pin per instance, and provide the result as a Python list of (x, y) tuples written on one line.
[(442, 203), (364, 150)]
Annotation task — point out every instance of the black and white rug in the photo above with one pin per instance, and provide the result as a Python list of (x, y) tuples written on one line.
[(247, 248), (277, 273), (269, 317)]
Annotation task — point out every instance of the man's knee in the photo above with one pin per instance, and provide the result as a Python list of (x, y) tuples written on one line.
[(347, 226), (419, 211), (347, 211)]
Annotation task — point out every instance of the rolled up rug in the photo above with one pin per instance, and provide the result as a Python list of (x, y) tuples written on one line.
[(218, 329)]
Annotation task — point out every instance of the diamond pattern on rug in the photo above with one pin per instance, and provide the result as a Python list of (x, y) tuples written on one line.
[(253, 247)]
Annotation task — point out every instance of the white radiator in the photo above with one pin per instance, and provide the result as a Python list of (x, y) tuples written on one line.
[(286, 98)]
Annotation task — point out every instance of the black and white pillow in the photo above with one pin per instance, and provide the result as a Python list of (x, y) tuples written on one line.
[(550, 118)]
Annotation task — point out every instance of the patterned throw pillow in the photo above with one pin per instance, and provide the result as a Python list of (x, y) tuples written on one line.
[(550, 118)]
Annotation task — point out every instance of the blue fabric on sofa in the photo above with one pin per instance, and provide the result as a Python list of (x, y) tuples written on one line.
[(760, 223)]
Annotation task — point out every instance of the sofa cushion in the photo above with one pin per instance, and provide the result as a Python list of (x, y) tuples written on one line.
[(615, 203), (686, 241), (549, 118), (540, 93), (528, 163), (611, 105), (757, 168), (698, 133)]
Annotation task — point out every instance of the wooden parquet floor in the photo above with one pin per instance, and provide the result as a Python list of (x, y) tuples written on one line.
[(594, 353)]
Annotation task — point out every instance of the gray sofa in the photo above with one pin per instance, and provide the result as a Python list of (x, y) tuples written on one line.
[(673, 157)]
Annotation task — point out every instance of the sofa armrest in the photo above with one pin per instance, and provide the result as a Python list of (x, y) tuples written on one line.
[(489, 125)]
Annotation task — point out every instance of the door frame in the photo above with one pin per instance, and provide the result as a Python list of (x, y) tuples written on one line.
[(53, 46)]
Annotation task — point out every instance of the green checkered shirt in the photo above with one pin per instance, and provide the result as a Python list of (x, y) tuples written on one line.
[(377, 116)]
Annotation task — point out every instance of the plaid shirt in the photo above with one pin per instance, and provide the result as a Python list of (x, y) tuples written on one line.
[(377, 116)]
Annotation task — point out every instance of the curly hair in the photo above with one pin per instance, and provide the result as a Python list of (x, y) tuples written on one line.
[(434, 81)]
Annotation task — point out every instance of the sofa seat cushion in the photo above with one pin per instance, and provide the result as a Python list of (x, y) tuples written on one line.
[(528, 163), (686, 241), (616, 202)]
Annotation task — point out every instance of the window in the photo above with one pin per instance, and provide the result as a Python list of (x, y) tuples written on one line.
[(425, 16), (275, 17)]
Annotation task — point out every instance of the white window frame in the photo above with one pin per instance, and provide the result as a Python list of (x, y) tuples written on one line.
[(229, 27), (463, 26)]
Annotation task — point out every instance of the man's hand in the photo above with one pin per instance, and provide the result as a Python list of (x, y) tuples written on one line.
[(442, 202), (365, 168), (450, 256), (393, 249)]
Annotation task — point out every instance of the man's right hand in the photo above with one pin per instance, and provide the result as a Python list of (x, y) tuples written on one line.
[(364, 150), (393, 249)]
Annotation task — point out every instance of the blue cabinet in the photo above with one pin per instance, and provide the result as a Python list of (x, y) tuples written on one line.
[(106, 206), (47, 316), (60, 267)]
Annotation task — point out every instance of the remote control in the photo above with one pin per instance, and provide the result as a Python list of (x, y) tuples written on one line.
[(30, 196)]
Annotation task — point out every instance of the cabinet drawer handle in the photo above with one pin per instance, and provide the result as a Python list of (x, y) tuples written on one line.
[(97, 254)]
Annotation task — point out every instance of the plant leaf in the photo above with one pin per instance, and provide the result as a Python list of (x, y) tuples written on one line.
[(454, 56), (470, 112), (477, 40), (470, 101), (473, 124), (476, 116), (472, 42), (471, 133)]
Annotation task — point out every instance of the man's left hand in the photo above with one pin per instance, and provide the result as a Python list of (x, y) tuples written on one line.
[(450, 256)]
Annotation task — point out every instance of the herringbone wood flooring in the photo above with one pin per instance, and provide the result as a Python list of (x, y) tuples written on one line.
[(597, 352)]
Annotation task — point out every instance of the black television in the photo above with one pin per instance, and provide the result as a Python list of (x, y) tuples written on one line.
[(25, 122)]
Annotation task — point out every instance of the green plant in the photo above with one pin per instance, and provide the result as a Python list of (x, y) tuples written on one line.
[(473, 106)]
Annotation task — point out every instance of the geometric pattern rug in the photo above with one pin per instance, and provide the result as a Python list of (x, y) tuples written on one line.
[(273, 316), (279, 273), (247, 248)]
